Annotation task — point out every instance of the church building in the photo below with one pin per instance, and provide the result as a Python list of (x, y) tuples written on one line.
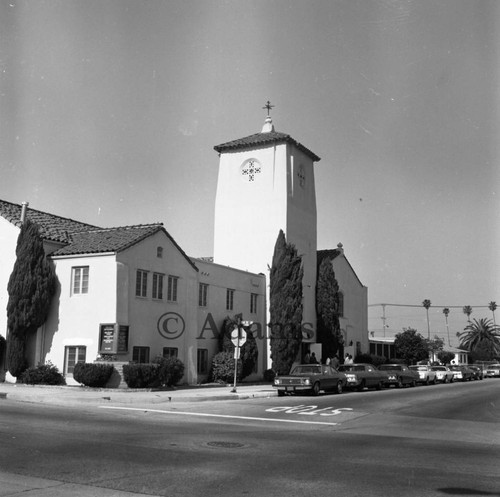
[(132, 292)]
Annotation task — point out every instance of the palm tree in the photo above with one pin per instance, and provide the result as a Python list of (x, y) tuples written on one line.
[(467, 310), (481, 331), (427, 303), (446, 311), (493, 307)]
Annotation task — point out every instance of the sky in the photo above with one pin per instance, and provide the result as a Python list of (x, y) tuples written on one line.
[(109, 112)]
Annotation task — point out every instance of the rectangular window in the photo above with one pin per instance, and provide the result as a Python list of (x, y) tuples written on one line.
[(140, 355), (80, 277), (253, 303), (141, 283), (158, 286), (172, 288), (170, 351), (229, 299), (202, 361), (203, 294), (72, 355)]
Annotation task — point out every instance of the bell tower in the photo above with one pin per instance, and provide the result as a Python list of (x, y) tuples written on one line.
[(266, 183)]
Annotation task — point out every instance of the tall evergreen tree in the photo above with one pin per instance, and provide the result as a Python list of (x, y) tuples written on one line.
[(327, 307), (31, 287), (285, 305)]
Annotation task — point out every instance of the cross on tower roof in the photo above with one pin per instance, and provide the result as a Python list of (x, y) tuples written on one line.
[(268, 106)]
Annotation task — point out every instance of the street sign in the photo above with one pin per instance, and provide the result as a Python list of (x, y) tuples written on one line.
[(238, 337)]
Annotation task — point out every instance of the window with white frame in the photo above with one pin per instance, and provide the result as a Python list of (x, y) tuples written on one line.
[(253, 303), (172, 288), (202, 361), (140, 355), (72, 355), (229, 299), (203, 295), (80, 280), (141, 283), (170, 351), (157, 286)]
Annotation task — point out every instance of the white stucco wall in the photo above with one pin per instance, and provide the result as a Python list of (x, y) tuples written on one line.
[(354, 323)]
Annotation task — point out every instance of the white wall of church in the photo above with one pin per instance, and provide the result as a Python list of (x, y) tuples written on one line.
[(8, 241), (354, 323)]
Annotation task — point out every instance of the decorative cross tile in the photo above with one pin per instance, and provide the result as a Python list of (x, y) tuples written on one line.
[(302, 176), (250, 169)]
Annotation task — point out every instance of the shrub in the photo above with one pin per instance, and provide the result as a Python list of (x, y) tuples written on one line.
[(170, 370), (223, 368), (376, 360), (269, 375), (141, 375), (43, 374), (92, 375)]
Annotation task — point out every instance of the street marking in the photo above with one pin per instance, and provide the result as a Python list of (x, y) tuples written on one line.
[(227, 416), (309, 410)]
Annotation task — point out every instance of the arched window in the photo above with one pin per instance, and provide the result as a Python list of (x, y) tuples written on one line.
[(341, 304)]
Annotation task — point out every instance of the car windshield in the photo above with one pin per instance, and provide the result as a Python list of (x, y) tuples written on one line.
[(456, 368), (419, 368), (306, 370), (438, 368), (386, 367)]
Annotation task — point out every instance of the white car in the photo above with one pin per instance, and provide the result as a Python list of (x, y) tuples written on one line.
[(426, 374), (492, 370), (443, 374)]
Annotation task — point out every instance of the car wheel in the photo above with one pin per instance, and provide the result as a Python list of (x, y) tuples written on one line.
[(380, 385), (315, 389), (427, 381), (399, 384), (433, 381), (281, 393), (361, 386), (339, 388), (413, 383)]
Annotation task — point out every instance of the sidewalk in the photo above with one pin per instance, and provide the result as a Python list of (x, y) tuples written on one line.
[(78, 395)]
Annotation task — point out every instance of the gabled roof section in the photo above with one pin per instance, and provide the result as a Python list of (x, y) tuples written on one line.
[(52, 228), (332, 254), (114, 240), (263, 139)]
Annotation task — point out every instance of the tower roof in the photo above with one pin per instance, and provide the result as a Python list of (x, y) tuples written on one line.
[(264, 138)]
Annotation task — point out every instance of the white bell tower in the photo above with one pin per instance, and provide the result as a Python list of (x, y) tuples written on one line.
[(266, 183)]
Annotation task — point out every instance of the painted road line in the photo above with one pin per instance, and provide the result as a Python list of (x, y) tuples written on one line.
[(226, 416)]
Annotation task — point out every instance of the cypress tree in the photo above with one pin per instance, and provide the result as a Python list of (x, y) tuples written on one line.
[(327, 307), (285, 305), (31, 286)]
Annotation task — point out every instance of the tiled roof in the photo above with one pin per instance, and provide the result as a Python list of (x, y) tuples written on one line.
[(81, 238), (53, 228), (263, 139), (107, 239)]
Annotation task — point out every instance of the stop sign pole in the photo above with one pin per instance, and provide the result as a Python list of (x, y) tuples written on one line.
[(238, 339)]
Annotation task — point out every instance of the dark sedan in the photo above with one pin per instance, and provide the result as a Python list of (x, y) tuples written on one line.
[(462, 373), (399, 375), (361, 375), (310, 378)]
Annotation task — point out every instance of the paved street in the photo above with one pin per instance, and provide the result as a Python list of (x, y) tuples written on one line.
[(426, 441)]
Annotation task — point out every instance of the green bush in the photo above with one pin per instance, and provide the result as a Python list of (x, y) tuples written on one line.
[(141, 375), (223, 368), (170, 370), (376, 360), (43, 374), (92, 375)]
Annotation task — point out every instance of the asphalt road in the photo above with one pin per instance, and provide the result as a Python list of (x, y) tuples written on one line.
[(426, 441)]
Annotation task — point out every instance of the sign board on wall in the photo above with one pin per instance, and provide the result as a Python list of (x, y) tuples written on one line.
[(113, 339)]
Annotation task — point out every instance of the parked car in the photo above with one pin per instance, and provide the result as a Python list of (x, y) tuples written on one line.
[(399, 375), (462, 373), (425, 374), (493, 370), (443, 374), (361, 375), (477, 371), (311, 378)]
